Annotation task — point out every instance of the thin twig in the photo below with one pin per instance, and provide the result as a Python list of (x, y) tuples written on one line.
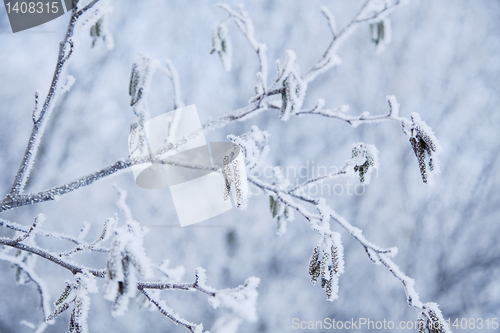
[(74, 268), (42, 288), (65, 52), (172, 316)]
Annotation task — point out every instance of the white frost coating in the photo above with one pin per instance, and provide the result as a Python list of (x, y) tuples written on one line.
[(28, 269), (327, 261), (223, 46), (173, 275), (394, 106), (426, 148), (253, 145), (201, 279), (178, 103), (242, 300), (90, 17), (430, 306), (42, 327), (358, 234), (290, 58), (408, 283), (364, 160), (330, 18), (293, 87), (83, 232), (70, 80), (126, 261), (245, 25)]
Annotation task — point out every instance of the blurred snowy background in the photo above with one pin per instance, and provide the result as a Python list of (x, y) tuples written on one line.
[(443, 62)]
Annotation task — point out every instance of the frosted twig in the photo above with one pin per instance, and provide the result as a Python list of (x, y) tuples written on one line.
[(91, 246), (122, 203), (331, 20), (168, 312), (34, 115), (325, 62), (17, 227), (332, 175), (245, 25), (408, 283), (171, 72), (37, 219), (11, 202), (40, 121), (74, 268), (42, 288), (377, 254), (283, 196)]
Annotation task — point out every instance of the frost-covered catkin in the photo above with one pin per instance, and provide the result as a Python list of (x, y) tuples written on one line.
[(431, 320), (222, 44), (254, 146), (279, 210), (327, 263), (364, 159), (293, 91), (426, 148), (100, 31), (140, 81), (381, 34), (282, 214), (85, 284), (126, 261)]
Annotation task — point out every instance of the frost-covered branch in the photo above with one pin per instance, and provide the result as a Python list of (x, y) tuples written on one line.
[(327, 260), (241, 300), (127, 264), (41, 118), (17, 227), (106, 230), (222, 44), (72, 267), (40, 284), (370, 11), (138, 90), (55, 193), (169, 313)]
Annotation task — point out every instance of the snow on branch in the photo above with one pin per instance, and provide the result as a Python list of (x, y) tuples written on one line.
[(41, 117), (292, 94), (426, 148), (370, 11), (127, 263), (222, 44), (20, 262), (327, 259), (128, 268)]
